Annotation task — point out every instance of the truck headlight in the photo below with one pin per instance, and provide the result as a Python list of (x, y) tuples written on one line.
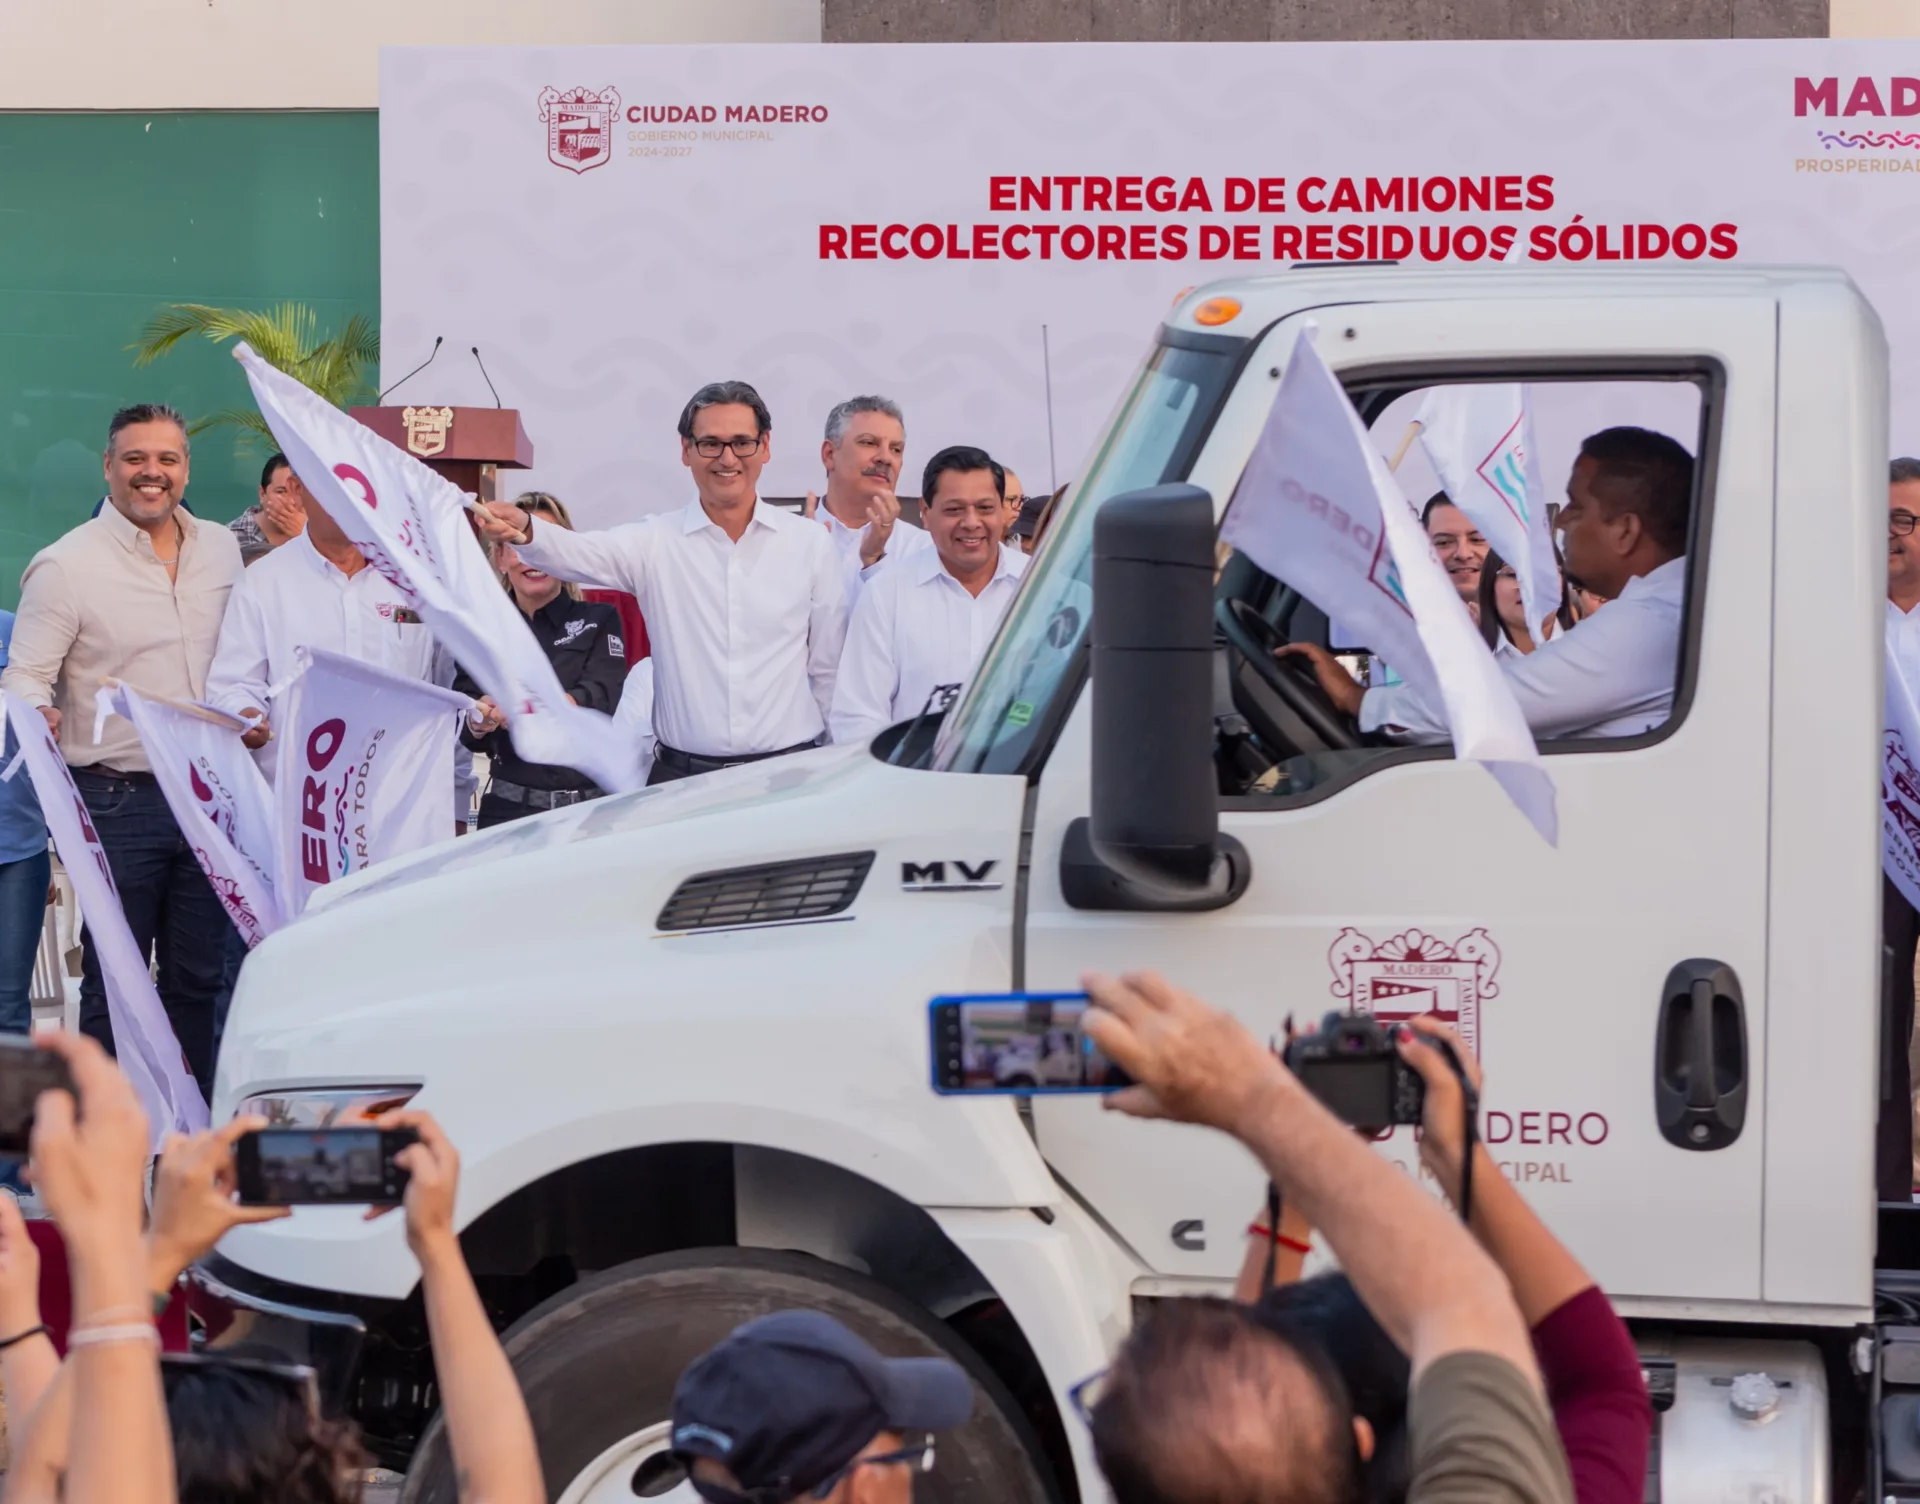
[(326, 1106)]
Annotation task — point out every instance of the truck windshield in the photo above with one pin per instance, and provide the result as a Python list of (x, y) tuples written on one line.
[(1013, 698)]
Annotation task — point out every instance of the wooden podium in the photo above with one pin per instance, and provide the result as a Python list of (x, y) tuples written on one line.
[(468, 445)]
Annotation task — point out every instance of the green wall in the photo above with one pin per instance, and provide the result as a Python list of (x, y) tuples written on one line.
[(104, 218)]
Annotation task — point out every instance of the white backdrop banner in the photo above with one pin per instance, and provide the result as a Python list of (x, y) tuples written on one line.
[(824, 221)]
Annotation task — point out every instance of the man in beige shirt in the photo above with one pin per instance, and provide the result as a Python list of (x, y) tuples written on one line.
[(135, 593)]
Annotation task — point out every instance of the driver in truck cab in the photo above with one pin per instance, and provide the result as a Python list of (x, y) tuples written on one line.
[(1624, 533)]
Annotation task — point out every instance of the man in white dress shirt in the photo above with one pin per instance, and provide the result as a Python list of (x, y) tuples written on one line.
[(1896, 1163), (317, 591), (923, 622), (864, 447), (745, 604), (1624, 535)]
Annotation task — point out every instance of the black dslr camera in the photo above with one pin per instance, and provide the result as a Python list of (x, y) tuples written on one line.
[(1351, 1065)]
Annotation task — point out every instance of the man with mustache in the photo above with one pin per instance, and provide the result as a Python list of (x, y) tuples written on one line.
[(921, 624), (865, 443), (135, 593), (745, 603)]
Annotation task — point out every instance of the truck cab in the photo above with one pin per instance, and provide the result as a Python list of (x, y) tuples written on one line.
[(680, 1036)]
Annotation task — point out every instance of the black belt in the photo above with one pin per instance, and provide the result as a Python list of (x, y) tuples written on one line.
[(114, 775), (517, 793), (694, 762)]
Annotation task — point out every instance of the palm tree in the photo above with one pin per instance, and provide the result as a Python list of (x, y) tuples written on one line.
[(287, 336)]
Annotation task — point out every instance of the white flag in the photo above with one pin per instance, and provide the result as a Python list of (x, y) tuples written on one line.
[(1318, 508), (1479, 440), (219, 800), (412, 526), (365, 763), (148, 1049), (1899, 775)]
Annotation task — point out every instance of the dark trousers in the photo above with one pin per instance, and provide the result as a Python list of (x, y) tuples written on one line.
[(1893, 1140), (23, 914), (170, 908)]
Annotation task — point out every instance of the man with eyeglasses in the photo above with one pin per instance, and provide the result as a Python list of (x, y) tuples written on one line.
[(1897, 1155), (794, 1405), (745, 604)]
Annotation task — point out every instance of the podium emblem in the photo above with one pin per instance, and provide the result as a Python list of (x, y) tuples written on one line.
[(579, 126), (426, 429)]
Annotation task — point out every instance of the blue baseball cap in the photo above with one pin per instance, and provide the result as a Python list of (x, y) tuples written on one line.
[(787, 1401)]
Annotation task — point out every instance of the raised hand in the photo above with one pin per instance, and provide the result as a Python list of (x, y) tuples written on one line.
[(193, 1205), (1192, 1062), (883, 510)]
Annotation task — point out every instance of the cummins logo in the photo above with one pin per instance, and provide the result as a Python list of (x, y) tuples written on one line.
[(948, 877)]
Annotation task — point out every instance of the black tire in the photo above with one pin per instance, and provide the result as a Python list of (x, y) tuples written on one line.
[(599, 1361)]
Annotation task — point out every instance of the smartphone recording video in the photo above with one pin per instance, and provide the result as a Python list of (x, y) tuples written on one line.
[(321, 1166), (25, 1072), (1017, 1042)]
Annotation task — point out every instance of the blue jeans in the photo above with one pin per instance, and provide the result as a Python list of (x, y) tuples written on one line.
[(169, 905), (23, 913)]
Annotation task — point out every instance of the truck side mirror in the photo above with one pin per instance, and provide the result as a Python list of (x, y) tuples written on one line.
[(1153, 841)]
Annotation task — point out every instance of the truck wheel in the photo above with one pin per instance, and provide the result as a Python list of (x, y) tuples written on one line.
[(598, 1362)]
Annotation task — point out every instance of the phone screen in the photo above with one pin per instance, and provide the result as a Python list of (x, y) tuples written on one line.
[(1021, 1042), (320, 1166)]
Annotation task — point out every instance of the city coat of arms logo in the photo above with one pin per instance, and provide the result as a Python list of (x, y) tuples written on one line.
[(1415, 973), (426, 429), (579, 126)]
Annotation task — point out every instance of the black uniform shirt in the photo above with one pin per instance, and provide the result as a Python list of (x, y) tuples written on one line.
[(582, 642)]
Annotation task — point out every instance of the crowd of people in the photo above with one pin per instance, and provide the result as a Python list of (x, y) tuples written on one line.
[(725, 632), (1450, 1360)]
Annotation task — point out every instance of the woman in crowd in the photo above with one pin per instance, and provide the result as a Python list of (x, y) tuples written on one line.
[(582, 641), (1503, 616), (1584, 1349)]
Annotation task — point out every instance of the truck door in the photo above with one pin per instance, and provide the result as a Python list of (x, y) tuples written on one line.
[(1400, 880)]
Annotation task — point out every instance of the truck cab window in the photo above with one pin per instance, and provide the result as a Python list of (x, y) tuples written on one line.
[(1033, 670), (1589, 623)]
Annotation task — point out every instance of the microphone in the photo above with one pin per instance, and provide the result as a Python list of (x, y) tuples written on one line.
[(415, 371), (485, 377)]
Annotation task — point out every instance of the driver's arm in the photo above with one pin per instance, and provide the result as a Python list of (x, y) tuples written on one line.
[(1621, 662)]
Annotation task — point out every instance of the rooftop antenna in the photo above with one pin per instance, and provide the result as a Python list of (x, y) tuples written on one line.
[(1046, 365)]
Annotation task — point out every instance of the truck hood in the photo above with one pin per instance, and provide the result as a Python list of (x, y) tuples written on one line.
[(758, 784)]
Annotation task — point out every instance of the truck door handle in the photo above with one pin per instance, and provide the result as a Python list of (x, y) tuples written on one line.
[(1700, 1057)]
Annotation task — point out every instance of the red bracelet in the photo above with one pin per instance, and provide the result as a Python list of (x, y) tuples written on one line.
[(1254, 1229)]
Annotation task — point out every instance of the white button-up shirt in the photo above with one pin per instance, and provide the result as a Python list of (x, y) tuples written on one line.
[(914, 628), (1903, 642), (905, 541), (746, 636), (1613, 675), (294, 598)]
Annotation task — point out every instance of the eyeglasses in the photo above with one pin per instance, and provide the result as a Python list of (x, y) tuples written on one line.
[(1899, 524), (919, 1456), (709, 449), (1087, 1394)]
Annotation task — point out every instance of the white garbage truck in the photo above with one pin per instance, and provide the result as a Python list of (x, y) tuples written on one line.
[(681, 1036)]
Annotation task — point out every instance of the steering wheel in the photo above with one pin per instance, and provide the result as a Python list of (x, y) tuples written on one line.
[(1254, 638)]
